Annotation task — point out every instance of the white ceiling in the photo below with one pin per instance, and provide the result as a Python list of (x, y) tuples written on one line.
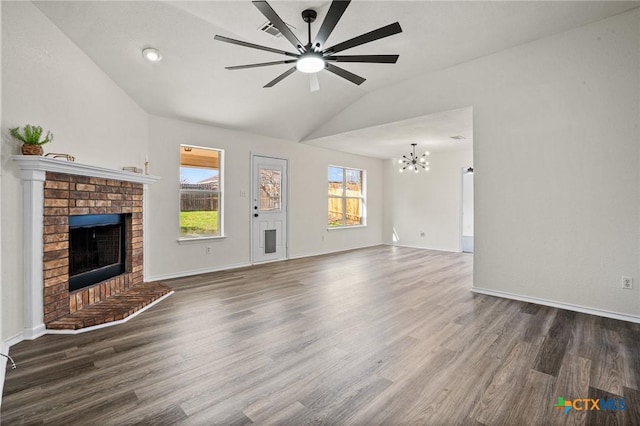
[(191, 83), (431, 133)]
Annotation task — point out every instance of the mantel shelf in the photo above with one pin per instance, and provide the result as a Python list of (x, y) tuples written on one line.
[(36, 163)]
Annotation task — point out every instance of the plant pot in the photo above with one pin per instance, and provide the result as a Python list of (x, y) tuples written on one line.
[(31, 149)]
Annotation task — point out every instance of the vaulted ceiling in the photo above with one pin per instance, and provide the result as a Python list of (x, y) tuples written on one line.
[(191, 83)]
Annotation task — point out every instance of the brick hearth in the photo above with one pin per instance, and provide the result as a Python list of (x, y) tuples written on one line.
[(112, 308)]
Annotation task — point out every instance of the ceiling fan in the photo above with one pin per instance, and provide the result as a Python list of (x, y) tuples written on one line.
[(314, 57)]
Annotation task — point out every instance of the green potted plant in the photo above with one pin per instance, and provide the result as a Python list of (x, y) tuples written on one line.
[(31, 143)]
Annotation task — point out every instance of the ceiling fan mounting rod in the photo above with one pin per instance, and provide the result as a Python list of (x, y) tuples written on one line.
[(309, 16)]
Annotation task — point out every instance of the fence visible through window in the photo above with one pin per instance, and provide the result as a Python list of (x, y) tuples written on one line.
[(345, 197), (200, 192)]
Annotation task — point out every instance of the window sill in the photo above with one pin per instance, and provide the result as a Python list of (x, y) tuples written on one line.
[(346, 227), (195, 240)]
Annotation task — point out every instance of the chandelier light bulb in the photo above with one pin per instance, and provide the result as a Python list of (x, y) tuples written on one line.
[(417, 171), (400, 161), (427, 153), (426, 168), (401, 170)]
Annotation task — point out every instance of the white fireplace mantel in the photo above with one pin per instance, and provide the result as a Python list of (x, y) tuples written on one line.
[(35, 164), (34, 170)]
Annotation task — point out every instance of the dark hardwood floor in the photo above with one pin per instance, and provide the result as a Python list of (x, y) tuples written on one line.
[(383, 335)]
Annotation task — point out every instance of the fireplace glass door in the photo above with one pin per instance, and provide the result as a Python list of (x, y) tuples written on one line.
[(96, 249)]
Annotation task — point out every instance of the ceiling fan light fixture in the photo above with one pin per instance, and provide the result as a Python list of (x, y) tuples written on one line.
[(310, 63), (151, 54), (314, 56)]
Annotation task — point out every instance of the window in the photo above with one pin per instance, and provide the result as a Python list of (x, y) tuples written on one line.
[(200, 192), (346, 197)]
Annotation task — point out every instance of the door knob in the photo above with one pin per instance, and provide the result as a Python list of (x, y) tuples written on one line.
[(256, 215)]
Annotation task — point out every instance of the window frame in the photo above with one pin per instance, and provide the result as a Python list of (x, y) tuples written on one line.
[(344, 197), (219, 193)]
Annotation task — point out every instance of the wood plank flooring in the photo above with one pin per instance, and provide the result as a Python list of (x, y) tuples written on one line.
[(378, 336)]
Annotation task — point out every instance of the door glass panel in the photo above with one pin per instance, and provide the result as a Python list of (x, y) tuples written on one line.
[(270, 190)]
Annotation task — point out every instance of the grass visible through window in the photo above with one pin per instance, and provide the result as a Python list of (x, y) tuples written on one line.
[(198, 223)]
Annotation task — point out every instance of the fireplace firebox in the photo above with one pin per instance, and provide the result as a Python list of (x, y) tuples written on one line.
[(97, 248)]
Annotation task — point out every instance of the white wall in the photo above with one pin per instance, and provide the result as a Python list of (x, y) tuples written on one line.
[(425, 202), (556, 131), (47, 80), (307, 198)]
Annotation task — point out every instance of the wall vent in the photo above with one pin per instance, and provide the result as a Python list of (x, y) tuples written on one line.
[(457, 137)]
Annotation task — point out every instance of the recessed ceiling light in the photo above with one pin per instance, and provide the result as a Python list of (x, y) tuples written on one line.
[(151, 54)]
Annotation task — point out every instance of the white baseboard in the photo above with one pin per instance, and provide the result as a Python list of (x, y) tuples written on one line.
[(183, 274), (422, 248), (14, 340), (32, 333), (560, 305), (322, 253)]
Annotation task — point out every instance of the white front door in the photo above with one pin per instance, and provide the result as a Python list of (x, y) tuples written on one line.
[(269, 209)]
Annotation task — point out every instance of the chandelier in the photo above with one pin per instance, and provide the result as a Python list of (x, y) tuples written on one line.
[(413, 162)]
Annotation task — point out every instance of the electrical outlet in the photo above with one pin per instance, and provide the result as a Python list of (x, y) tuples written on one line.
[(207, 250), (627, 283)]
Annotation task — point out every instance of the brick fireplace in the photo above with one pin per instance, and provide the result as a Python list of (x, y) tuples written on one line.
[(70, 195), (54, 190)]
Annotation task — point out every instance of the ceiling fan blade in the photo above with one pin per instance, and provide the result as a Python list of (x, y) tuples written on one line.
[(334, 14), (277, 22), (263, 64), (253, 46), (383, 32), (314, 83), (356, 79), (372, 59), (281, 77)]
